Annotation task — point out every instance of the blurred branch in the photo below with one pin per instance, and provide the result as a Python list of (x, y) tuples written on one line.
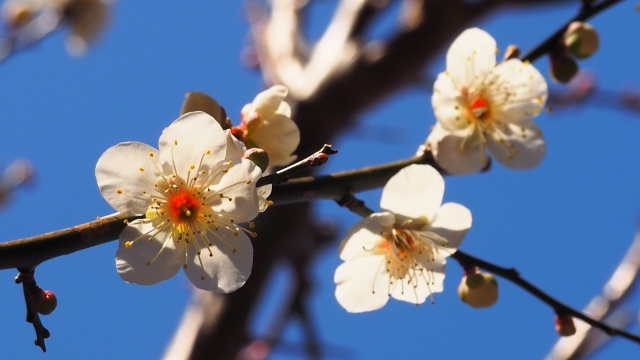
[(606, 305)]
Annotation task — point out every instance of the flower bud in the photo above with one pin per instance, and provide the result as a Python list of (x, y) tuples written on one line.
[(563, 67), (479, 290), (45, 302), (564, 325), (258, 157), (198, 101), (581, 39)]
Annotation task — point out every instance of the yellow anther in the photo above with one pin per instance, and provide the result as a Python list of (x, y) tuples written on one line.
[(128, 244), (254, 234), (126, 221), (175, 142), (193, 167), (150, 154), (208, 152), (252, 224), (141, 168), (119, 191)]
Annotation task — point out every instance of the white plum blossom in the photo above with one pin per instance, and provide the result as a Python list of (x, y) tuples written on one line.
[(482, 106), (401, 251), (267, 124), (194, 192)]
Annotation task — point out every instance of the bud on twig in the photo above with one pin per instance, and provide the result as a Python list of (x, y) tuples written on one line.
[(565, 325), (563, 67), (581, 39), (477, 289)]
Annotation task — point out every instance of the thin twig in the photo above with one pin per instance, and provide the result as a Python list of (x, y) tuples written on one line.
[(27, 278), (316, 159), (585, 13), (512, 275)]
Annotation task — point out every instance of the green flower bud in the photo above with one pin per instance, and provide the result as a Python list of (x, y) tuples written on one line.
[(479, 290), (258, 156), (581, 39)]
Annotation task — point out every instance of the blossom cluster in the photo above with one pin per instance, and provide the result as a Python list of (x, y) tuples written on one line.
[(196, 195)]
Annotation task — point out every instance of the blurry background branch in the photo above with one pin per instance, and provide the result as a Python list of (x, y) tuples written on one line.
[(608, 306)]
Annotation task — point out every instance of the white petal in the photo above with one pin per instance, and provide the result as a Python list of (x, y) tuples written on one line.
[(413, 192), (522, 147), (448, 104), (522, 90), (452, 223), (238, 187), (222, 270), (235, 147), (279, 137), (119, 168), (131, 263), (195, 133), (362, 283), (471, 56), (446, 148), (263, 194), (415, 289), (365, 234), (284, 109), (267, 102)]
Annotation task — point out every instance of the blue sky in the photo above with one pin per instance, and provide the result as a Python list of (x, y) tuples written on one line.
[(564, 225)]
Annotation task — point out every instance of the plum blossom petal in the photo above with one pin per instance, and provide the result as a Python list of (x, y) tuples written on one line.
[(362, 284), (267, 124), (184, 142), (365, 234), (263, 194), (452, 223), (401, 253), (118, 171), (224, 267), (481, 106), (456, 151), (155, 262), (413, 192), (193, 200), (471, 56)]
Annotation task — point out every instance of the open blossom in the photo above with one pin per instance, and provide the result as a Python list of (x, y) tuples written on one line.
[(481, 106), (266, 123), (401, 251), (85, 18), (194, 193)]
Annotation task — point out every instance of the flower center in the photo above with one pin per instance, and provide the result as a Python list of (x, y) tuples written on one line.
[(183, 205), (480, 109)]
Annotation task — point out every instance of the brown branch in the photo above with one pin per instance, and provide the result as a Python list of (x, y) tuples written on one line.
[(29, 252), (26, 277)]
